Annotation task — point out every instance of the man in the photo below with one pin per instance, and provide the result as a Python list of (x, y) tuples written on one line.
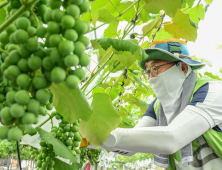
[(182, 126)]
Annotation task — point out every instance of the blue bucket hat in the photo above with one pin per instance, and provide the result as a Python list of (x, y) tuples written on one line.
[(172, 50)]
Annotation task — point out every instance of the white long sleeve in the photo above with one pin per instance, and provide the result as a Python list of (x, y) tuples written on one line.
[(146, 121), (186, 127)]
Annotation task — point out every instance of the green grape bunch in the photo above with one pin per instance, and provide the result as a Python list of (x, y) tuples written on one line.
[(94, 155), (28, 66), (68, 134), (83, 155), (46, 156), (65, 41), (89, 154)]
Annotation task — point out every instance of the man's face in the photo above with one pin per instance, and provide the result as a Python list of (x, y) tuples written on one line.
[(161, 69)]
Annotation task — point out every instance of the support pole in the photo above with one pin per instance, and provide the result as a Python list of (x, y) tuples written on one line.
[(9, 160), (96, 166), (19, 156)]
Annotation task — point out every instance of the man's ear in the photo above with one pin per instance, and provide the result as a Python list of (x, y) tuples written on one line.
[(184, 68)]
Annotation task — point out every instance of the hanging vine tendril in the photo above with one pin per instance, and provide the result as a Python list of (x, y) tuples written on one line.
[(132, 36), (122, 86)]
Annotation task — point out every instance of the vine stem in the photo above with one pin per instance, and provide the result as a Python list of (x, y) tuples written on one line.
[(93, 61), (115, 6), (17, 14), (3, 51), (49, 118), (35, 17), (127, 30), (116, 80), (96, 73), (103, 78), (131, 29), (101, 60), (114, 67), (159, 27), (3, 3)]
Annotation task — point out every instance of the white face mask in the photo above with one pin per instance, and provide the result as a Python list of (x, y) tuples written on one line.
[(168, 86)]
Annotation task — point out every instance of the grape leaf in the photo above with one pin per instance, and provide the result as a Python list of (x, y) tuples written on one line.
[(113, 93), (149, 27), (126, 52), (98, 79), (219, 47), (212, 76), (162, 34), (105, 16), (139, 81), (102, 4), (170, 6), (111, 30), (98, 90), (128, 16), (126, 58), (188, 2), (120, 45), (145, 16), (103, 120), (208, 1), (134, 100), (27, 128), (71, 104), (86, 16), (180, 27), (204, 60), (59, 148), (196, 13), (98, 4), (64, 166)]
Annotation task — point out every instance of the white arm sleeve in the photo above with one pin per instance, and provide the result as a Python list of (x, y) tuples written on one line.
[(186, 127), (146, 121)]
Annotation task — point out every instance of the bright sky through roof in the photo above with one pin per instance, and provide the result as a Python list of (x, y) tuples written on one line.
[(209, 37)]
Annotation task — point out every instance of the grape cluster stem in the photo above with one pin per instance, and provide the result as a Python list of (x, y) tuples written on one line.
[(101, 60), (17, 14), (4, 3)]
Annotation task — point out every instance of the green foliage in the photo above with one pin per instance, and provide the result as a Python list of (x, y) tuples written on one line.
[(62, 165), (74, 104), (149, 27), (208, 1), (136, 157), (196, 13), (180, 27), (96, 130), (27, 128), (170, 7), (59, 148)]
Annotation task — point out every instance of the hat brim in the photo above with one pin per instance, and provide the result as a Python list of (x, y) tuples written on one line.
[(157, 53)]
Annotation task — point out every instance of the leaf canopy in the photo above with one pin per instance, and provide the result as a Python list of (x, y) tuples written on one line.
[(64, 166), (103, 120), (180, 27), (59, 148), (71, 104), (170, 6)]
